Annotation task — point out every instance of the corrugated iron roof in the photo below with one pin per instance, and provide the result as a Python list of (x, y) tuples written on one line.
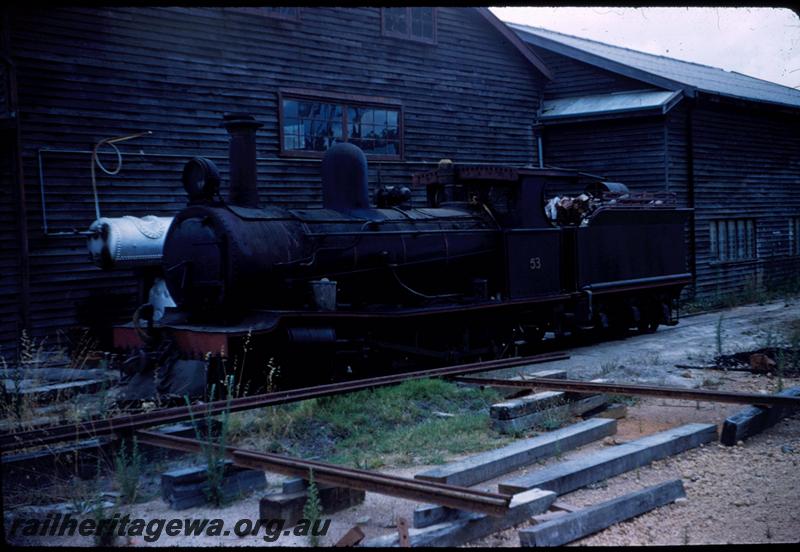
[(648, 66), (584, 106)]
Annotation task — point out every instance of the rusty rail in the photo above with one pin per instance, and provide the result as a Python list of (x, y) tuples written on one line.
[(96, 428), (643, 390), (462, 498)]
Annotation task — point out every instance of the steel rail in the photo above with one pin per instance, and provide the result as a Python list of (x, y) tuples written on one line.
[(462, 498), (95, 428), (643, 390)]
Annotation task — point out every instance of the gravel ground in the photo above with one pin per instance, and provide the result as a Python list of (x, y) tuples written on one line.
[(734, 495), (744, 494)]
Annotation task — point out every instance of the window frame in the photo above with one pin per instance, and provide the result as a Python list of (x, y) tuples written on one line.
[(346, 101), (719, 241), (408, 36)]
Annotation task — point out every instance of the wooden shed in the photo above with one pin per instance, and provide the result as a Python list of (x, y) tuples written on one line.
[(409, 85), (725, 143)]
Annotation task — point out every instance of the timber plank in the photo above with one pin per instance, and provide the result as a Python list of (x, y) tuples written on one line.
[(572, 526), (589, 468), (471, 526), (754, 419), (493, 463)]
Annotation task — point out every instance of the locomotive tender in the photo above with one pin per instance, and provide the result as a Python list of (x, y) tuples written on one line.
[(479, 272)]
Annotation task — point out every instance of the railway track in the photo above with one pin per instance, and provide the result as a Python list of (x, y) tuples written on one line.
[(495, 504), (577, 386), (463, 498), (10, 442)]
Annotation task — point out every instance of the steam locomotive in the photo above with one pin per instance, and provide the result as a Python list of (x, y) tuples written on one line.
[(346, 290)]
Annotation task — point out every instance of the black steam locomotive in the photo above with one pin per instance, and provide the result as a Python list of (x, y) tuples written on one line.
[(480, 272)]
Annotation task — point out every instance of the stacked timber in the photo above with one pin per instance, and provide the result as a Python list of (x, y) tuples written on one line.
[(189, 487), (546, 410)]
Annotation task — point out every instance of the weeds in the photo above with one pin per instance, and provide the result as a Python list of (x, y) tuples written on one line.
[(273, 374), (710, 382), (553, 417), (607, 367), (374, 427), (653, 358), (628, 400), (750, 293), (780, 363), (104, 535), (312, 510), (82, 351), (213, 449), (127, 471), (22, 408)]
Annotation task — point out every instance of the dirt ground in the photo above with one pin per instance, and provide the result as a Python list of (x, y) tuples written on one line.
[(749, 493)]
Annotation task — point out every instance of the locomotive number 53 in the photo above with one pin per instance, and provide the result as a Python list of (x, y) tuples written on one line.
[(536, 263)]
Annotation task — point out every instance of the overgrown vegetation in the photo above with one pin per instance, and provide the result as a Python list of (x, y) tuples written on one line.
[(312, 510), (553, 416), (214, 446), (127, 470), (21, 409), (627, 400), (415, 422), (750, 293)]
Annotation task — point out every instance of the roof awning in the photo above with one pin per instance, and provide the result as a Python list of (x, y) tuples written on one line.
[(646, 102)]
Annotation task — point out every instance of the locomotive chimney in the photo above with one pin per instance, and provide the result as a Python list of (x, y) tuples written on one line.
[(243, 173), (344, 178)]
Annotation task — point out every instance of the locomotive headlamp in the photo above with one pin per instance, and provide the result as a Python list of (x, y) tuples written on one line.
[(200, 179)]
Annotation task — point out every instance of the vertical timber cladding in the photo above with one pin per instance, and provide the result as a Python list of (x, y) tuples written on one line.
[(746, 165), (91, 73)]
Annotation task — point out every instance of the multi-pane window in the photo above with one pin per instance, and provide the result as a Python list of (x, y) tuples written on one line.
[(310, 125), (794, 236), (412, 23), (374, 130), (732, 239)]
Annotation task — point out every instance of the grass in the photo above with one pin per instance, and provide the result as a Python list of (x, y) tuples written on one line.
[(23, 411), (374, 428)]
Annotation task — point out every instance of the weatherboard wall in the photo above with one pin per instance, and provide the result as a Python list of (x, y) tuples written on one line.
[(576, 78), (91, 73), (746, 165), (742, 160)]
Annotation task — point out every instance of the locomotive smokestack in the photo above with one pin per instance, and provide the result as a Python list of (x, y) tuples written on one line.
[(243, 173)]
